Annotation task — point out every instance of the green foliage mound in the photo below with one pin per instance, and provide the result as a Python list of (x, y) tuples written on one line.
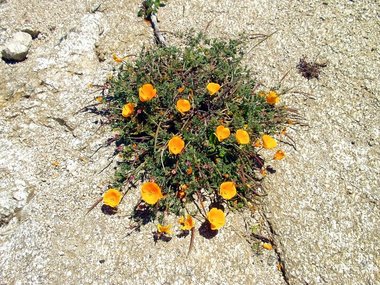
[(186, 93)]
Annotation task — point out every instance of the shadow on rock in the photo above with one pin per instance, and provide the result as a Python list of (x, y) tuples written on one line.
[(206, 231), (160, 236), (143, 214), (109, 210)]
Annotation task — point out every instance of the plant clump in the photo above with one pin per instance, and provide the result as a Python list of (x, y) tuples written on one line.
[(191, 123)]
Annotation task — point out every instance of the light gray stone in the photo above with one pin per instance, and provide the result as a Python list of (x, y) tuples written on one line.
[(322, 203), (31, 31), (17, 48)]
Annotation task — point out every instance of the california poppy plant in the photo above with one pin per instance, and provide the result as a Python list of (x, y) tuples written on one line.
[(222, 133), (151, 193), (242, 137), (272, 98), (212, 88), (112, 197), (147, 92), (216, 218), (183, 106), (128, 110), (227, 190), (187, 223), (268, 142), (190, 123), (164, 229), (280, 154), (176, 145)]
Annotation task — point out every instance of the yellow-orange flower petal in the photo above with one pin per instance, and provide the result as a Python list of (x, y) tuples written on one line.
[(272, 98), (181, 194), (147, 92), (290, 122), (280, 154), (222, 133), (242, 137), (268, 142), (112, 197), (176, 145), (183, 105), (187, 223), (181, 89), (189, 171), (258, 143), (116, 58), (151, 193), (262, 94), (227, 190), (267, 246), (212, 88), (164, 229), (216, 218), (128, 110)]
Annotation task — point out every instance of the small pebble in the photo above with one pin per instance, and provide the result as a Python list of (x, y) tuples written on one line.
[(17, 48)]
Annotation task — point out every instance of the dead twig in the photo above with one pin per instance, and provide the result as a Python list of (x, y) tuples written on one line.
[(191, 245), (157, 34), (94, 205)]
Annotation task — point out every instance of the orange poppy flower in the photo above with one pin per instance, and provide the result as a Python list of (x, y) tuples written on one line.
[(147, 92), (183, 106), (112, 197), (151, 193), (181, 89), (242, 137), (216, 218), (176, 145), (222, 133), (280, 154), (128, 110), (212, 88), (187, 223), (164, 229), (272, 98), (268, 142), (227, 190)]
